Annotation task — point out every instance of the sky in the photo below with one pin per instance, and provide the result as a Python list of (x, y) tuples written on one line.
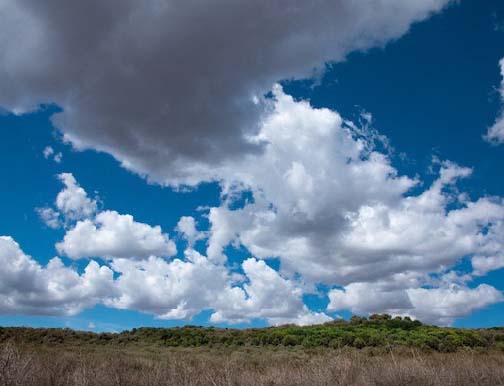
[(238, 164)]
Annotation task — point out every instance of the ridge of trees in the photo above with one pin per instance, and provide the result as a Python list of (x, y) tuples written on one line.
[(379, 330)]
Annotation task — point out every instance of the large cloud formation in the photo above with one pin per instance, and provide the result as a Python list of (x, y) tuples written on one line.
[(175, 93), (170, 290), (342, 213), (165, 86), (148, 279), (342, 216)]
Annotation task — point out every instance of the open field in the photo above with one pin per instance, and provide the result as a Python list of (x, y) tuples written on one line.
[(108, 366)]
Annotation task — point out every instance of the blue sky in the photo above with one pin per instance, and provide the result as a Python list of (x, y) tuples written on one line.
[(432, 87)]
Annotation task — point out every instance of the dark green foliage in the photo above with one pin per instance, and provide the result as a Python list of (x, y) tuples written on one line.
[(378, 331)]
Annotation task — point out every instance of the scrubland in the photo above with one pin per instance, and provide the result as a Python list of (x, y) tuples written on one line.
[(379, 351), (245, 366)]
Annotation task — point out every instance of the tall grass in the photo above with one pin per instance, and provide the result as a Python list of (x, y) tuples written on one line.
[(65, 366)]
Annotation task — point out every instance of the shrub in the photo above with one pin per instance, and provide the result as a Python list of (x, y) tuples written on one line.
[(291, 340)]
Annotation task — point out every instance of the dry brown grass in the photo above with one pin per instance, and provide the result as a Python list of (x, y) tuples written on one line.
[(248, 367)]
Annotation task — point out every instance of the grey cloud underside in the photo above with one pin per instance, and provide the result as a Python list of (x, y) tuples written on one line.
[(167, 86)]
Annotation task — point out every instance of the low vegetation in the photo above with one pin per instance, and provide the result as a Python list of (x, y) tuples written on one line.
[(380, 332), (252, 366)]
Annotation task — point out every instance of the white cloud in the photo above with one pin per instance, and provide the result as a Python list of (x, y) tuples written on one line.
[(495, 133), (482, 265), (342, 213), (177, 289), (28, 288), (73, 201), (48, 151), (302, 197), (344, 216), (268, 295), (187, 227), (180, 289), (501, 90), (443, 305), (50, 217), (440, 305), (113, 235), (492, 257), (106, 234), (368, 298)]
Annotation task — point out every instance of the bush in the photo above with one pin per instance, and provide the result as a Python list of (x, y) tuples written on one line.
[(291, 340), (359, 343)]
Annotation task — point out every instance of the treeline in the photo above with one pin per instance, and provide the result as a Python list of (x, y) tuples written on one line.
[(376, 331)]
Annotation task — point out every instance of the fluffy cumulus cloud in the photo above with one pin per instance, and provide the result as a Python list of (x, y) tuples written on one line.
[(441, 305), (268, 295), (495, 133), (180, 289), (187, 228), (177, 289), (27, 287), (106, 234), (343, 216), (113, 235), (73, 201), (165, 86), (482, 265), (303, 199)]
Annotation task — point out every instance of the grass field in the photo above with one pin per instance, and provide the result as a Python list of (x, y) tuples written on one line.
[(72, 366)]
